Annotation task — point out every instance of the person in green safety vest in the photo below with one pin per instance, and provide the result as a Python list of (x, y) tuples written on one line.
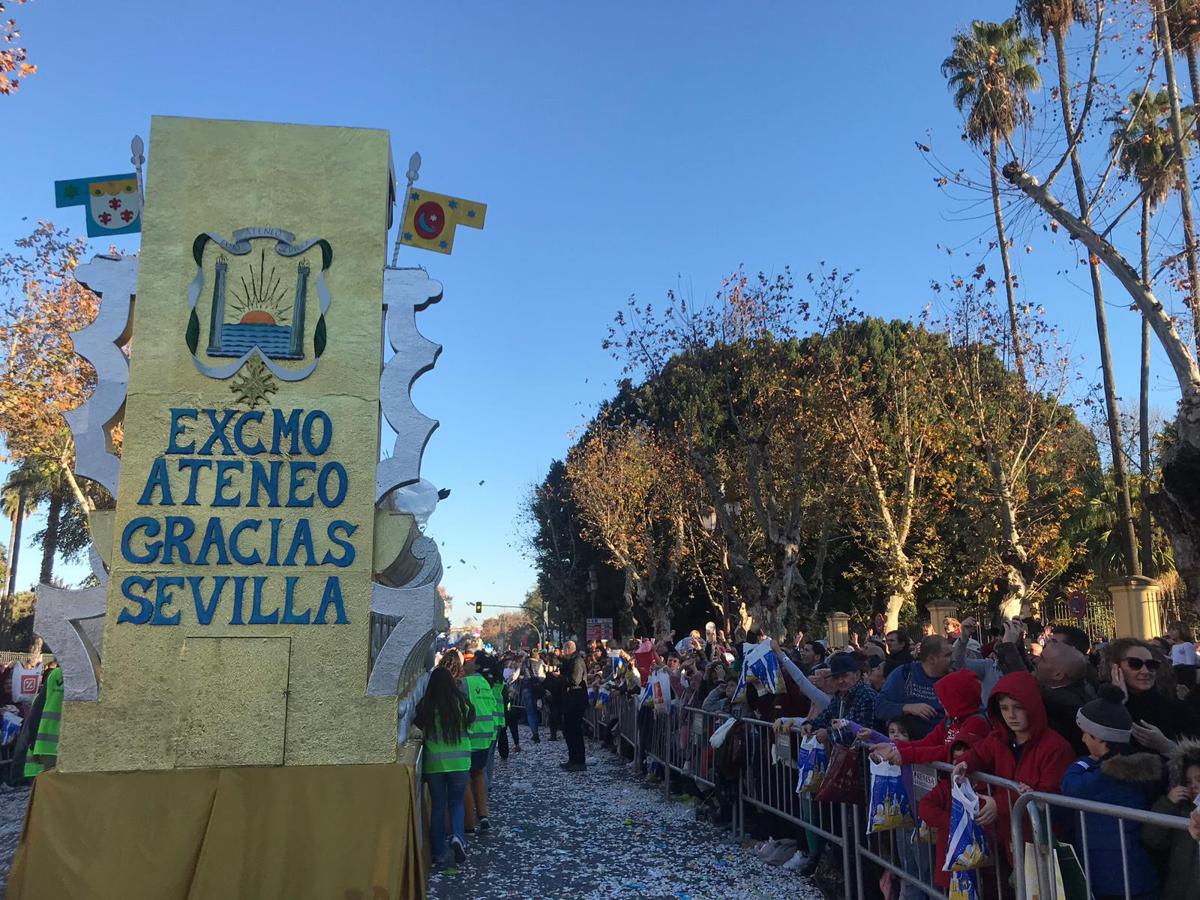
[(43, 753), (444, 716), (482, 732)]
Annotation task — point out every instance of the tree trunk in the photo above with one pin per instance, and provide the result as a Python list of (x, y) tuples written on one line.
[(1177, 506), (14, 556), (1194, 73), (14, 547), (50, 544), (1125, 528), (1009, 286), (1178, 138), (1147, 534), (1014, 600)]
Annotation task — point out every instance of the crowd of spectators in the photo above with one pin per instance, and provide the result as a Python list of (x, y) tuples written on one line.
[(1042, 707)]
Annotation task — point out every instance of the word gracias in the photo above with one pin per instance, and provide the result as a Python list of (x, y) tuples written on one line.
[(253, 483)]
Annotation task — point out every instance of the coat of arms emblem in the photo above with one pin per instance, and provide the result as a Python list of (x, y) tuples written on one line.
[(250, 303)]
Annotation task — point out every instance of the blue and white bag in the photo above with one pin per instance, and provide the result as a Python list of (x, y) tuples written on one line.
[(810, 763), (761, 669), (890, 806), (967, 847)]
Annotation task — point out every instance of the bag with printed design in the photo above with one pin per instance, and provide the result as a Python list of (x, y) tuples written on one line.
[(761, 669), (967, 847), (965, 886), (890, 806), (810, 763)]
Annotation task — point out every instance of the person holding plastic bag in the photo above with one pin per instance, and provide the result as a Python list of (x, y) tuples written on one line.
[(934, 810), (1021, 747)]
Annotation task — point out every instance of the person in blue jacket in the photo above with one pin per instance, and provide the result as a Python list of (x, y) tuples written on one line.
[(1112, 773), (909, 689)]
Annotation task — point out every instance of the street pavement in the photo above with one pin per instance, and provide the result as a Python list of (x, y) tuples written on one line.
[(601, 834)]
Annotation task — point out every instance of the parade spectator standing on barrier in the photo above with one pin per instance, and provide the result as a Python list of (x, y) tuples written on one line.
[(1182, 869), (533, 676), (444, 716), (1020, 747), (909, 689), (573, 671), (1111, 773)]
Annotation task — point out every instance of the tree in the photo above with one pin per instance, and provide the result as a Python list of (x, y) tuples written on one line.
[(574, 576), (14, 64), (40, 375), (725, 383), (17, 502), (1054, 18), (882, 379), (1183, 22), (498, 630), (1179, 141), (1147, 154), (632, 493), (1177, 506), (991, 71), (1024, 452)]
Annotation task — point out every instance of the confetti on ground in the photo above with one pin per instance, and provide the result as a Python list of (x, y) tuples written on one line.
[(601, 834)]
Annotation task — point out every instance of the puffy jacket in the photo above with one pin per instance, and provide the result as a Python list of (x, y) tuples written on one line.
[(1039, 763), (1182, 871), (1121, 780), (960, 694)]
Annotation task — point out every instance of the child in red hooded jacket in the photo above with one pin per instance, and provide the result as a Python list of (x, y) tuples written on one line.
[(960, 694), (934, 807), (1021, 747)]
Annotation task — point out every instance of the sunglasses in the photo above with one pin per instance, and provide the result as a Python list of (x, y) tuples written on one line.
[(1136, 663)]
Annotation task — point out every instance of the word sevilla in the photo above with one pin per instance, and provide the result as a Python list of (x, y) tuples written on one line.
[(195, 438)]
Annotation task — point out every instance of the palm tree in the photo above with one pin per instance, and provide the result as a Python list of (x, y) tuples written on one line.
[(16, 503), (1180, 139), (991, 71), (1053, 19), (1145, 151), (1183, 22)]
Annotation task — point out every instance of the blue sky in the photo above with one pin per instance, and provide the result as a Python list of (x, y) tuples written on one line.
[(622, 148)]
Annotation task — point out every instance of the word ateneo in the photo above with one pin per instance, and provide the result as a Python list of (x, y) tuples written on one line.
[(251, 460)]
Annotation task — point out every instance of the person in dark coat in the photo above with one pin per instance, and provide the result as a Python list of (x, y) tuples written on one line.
[(573, 672), (1181, 874), (1114, 773), (1159, 719)]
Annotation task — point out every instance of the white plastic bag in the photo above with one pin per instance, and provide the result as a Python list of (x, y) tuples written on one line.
[(718, 736)]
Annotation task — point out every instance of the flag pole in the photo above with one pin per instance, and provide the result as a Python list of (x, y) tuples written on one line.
[(414, 172), (137, 157)]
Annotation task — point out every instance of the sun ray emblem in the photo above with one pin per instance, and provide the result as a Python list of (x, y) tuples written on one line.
[(258, 303)]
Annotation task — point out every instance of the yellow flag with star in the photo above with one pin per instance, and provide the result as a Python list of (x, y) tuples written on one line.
[(430, 219)]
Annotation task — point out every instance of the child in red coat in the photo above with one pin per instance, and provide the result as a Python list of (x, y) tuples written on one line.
[(1021, 747), (934, 808)]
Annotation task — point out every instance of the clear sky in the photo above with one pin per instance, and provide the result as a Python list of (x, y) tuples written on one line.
[(622, 148)]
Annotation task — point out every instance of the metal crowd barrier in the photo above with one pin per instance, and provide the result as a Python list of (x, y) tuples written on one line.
[(1055, 814), (674, 742)]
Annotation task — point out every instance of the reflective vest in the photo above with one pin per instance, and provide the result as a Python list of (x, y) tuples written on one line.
[(44, 752), (483, 730), (499, 707), (446, 756)]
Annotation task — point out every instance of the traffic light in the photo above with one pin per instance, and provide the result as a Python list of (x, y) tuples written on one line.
[(478, 608)]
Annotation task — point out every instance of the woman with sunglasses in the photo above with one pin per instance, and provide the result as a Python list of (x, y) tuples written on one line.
[(1159, 719)]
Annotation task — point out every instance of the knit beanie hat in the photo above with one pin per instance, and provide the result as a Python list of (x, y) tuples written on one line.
[(1106, 717)]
